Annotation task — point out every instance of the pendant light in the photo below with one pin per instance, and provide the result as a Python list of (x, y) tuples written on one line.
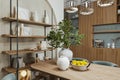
[(71, 6), (105, 3), (86, 7)]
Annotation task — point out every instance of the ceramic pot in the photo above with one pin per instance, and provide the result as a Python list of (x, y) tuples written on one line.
[(66, 52), (63, 63)]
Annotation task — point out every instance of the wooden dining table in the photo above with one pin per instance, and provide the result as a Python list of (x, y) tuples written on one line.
[(94, 72)]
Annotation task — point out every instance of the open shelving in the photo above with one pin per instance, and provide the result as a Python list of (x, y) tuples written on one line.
[(107, 31), (14, 36), (13, 70), (23, 51), (10, 19), (11, 52), (105, 34)]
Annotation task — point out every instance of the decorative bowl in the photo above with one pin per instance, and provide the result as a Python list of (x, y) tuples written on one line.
[(80, 64)]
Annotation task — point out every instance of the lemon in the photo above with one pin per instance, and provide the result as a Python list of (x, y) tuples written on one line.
[(79, 62)]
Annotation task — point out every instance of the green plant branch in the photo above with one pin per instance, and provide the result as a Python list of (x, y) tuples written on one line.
[(64, 36)]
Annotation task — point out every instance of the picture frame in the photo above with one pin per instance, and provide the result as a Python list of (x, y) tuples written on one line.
[(98, 43)]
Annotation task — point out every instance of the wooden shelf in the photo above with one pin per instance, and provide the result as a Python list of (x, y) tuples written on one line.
[(13, 70), (97, 25), (10, 19), (14, 36), (107, 31), (24, 51)]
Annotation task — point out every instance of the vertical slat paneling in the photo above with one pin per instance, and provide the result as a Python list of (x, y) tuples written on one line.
[(100, 16)]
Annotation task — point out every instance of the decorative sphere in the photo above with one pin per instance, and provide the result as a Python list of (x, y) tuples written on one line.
[(63, 63)]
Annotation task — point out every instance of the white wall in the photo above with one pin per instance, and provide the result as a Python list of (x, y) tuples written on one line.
[(58, 7)]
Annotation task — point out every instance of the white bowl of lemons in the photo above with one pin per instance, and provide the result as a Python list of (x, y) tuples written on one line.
[(80, 64)]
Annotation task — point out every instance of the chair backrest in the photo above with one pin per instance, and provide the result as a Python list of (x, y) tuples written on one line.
[(106, 63), (10, 76)]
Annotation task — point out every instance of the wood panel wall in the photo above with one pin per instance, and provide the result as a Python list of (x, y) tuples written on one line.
[(86, 50)]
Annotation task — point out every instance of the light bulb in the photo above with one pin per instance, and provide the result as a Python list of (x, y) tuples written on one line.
[(71, 3), (23, 73), (86, 4)]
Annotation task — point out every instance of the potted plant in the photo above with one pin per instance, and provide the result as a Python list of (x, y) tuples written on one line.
[(64, 36)]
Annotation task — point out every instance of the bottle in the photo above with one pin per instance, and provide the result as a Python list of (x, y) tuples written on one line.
[(113, 43), (21, 30), (108, 45), (46, 17), (37, 59), (31, 16)]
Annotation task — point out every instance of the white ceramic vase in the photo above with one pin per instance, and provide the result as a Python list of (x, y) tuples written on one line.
[(46, 17), (35, 16), (66, 52), (63, 63)]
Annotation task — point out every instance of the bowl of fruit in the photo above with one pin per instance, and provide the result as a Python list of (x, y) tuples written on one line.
[(80, 64)]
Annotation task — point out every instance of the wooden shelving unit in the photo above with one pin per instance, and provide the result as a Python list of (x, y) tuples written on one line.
[(24, 51), (14, 36), (10, 19), (107, 31)]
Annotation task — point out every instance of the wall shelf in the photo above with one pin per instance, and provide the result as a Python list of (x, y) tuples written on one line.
[(24, 51), (107, 31), (10, 19), (97, 25), (104, 34), (13, 70), (14, 36)]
